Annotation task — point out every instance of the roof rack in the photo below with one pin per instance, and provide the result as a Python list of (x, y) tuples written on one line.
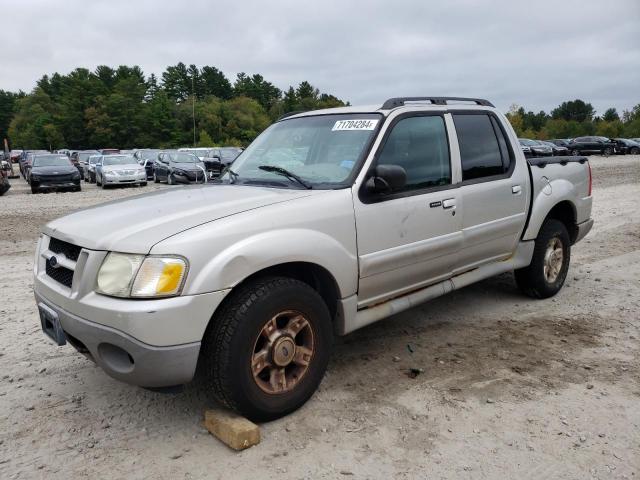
[(400, 101), (290, 114)]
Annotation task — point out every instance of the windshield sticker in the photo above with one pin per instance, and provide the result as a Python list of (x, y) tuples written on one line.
[(341, 125)]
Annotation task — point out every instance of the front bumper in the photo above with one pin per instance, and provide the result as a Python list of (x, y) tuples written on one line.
[(52, 184), (125, 358), (125, 179)]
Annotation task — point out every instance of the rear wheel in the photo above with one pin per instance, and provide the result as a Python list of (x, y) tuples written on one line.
[(170, 180), (634, 151), (607, 151), (575, 152), (267, 349), (546, 274)]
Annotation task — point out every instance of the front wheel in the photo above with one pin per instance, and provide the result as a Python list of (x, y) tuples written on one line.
[(267, 349), (170, 179), (575, 152), (634, 151), (545, 276), (607, 151)]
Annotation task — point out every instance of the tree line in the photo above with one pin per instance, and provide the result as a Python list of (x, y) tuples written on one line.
[(123, 108), (574, 119)]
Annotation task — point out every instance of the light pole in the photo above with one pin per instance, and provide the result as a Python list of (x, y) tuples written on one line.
[(193, 109)]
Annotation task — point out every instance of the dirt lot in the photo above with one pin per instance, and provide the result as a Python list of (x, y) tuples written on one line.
[(511, 388)]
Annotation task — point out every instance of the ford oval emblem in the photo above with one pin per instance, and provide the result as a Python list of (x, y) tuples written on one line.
[(53, 262)]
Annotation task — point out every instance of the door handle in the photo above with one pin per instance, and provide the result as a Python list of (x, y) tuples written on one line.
[(516, 189), (449, 203)]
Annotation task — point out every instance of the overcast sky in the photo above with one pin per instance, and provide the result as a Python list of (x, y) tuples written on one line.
[(535, 53)]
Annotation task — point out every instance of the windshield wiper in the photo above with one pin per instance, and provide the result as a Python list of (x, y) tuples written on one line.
[(286, 173)]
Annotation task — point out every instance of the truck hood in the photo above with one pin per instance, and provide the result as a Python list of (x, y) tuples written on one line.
[(135, 224)]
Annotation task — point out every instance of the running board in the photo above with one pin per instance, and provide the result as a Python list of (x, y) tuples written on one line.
[(366, 316)]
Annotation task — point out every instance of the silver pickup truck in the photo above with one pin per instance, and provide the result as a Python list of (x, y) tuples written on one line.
[(330, 220)]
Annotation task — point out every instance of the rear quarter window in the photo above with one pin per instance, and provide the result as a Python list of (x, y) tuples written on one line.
[(484, 151)]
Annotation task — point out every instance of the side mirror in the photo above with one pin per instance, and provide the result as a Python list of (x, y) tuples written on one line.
[(386, 179)]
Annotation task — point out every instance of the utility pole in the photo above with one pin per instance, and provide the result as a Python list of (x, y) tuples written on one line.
[(193, 108)]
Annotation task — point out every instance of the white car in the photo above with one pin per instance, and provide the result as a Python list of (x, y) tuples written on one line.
[(119, 170), (330, 220)]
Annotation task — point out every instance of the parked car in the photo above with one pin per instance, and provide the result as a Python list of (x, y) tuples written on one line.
[(561, 142), (89, 171), (119, 170), (585, 145), (15, 155), (368, 213), (147, 158), (53, 172), (109, 151), (26, 160), (78, 158), (624, 146), (179, 167), (533, 148), (5, 185), (199, 152), (83, 160), (227, 155), (557, 150)]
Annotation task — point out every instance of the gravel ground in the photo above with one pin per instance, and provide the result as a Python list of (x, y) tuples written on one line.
[(511, 387)]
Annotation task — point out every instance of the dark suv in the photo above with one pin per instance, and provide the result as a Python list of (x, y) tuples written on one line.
[(582, 145), (624, 146)]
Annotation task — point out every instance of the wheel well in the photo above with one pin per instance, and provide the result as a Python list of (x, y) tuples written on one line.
[(314, 275), (565, 212)]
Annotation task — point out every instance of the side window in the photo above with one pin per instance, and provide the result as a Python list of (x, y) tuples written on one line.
[(480, 150), (420, 146)]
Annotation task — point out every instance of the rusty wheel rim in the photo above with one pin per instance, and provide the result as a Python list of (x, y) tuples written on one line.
[(282, 352), (553, 260)]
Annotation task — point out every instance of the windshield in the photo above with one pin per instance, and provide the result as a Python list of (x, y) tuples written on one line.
[(118, 160), (51, 161), (322, 150), (184, 158), (527, 142)]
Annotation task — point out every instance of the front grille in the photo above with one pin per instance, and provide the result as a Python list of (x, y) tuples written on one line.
[(60, 274), (55, 178), (71, 251)]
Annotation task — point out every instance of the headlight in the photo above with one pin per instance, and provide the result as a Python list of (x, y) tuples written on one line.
[(126, 275)]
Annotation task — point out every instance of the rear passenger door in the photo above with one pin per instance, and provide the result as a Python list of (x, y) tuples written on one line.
[(494, 190), (409, 238)]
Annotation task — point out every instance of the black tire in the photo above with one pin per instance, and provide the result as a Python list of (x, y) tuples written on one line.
[(607, 151), (170, 179), (575, 152), (231, 339), (143, 184), (34, 190), (532, 279), (155, 178), (634, 151)]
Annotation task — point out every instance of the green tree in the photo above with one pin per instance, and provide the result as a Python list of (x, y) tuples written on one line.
[(576, 110), (611, 115), (34, 126)]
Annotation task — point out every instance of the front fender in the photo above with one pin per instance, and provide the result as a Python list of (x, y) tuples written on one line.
[(242, 259)]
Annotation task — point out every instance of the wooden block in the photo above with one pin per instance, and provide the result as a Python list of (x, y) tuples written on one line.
[(232, 429)]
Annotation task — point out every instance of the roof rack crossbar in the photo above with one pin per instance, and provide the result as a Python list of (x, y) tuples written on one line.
[(400, 101)]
